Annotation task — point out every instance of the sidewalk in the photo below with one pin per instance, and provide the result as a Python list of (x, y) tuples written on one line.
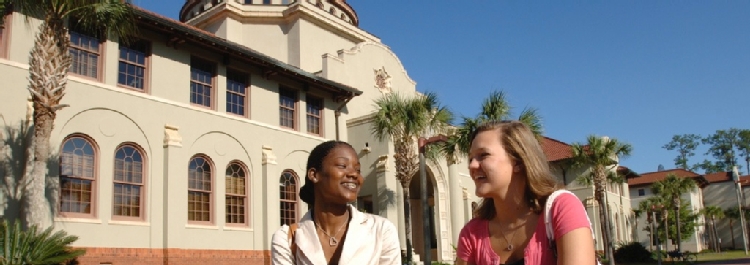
[(741, 261)]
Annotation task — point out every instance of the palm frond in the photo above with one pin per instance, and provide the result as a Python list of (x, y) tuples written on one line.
[(116, 16), (495, 107), (532, 119), (33, 247)]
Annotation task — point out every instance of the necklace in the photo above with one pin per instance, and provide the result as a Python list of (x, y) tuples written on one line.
[(510, 242), (332, 241)]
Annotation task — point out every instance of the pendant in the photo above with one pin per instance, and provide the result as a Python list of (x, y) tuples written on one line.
[(332, 241), (509, 248)]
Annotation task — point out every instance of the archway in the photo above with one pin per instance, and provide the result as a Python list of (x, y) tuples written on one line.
[(417, 219)]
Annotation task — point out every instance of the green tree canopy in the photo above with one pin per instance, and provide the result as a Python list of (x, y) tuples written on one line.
[(685, 145)]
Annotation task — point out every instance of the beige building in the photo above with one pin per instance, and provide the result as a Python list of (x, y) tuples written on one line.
[(188, 146), (723, 193), (640, 190), (559, 154)]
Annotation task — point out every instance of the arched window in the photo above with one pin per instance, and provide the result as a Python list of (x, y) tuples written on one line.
[(288, 195), (200, 188), (78, 167), (236, 193), (128, 201)]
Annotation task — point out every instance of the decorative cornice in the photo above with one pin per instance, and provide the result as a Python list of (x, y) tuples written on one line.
[(358, 48), (172, 136), (360, 120), (381, 165), (268, 156)]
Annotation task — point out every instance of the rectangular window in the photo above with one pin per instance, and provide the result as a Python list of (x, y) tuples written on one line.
[(201, 82), (287, 108), (85, 50), (314, 115), (236, 93), (132, 65), (641, 192)]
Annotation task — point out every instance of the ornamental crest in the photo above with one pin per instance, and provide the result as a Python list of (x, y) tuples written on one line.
[(382, 81)]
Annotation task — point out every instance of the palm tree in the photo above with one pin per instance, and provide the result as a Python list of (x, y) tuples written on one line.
[(404, 120), (732, 214), (649, 206), (712, 213), (601, 153), (494, 107), (35, 247), (671, 189), (49, 62)]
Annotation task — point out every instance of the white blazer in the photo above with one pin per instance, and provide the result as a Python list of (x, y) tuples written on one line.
[(370, 240)]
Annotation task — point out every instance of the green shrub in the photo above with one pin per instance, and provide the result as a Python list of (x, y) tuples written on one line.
[(632, 252), (655, 257), (19, 247)]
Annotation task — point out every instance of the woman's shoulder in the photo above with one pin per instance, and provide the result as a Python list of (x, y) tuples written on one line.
[(475, 225), (377, 220), (281, 234), (566, 197)]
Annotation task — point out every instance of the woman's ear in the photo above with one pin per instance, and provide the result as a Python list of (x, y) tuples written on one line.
[(517, 167), (312, 175)]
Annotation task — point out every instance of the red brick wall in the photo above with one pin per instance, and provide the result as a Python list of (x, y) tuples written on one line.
[(146, 256)]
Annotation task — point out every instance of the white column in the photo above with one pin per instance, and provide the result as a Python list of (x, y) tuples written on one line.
[(270, 203), (456, 201), (172, 204)]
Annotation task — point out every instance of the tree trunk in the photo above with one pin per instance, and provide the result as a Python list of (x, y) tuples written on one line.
[(599, 182), (716, 234), (48, 68), (666, 229), (731, 229), (407, 220), (715, 241), (677, 221)]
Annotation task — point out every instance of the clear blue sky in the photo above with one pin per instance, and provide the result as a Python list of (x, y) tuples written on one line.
[(638, 71)]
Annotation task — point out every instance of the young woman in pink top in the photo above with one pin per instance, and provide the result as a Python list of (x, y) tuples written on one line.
[(512, 176)]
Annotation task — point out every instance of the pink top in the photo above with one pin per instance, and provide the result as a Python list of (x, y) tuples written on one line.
[(568, 214)]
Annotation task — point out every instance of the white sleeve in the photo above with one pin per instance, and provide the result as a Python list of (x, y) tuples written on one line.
[(281, 254), (391, 253)]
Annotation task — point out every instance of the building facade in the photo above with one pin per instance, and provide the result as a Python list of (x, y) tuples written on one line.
[(188, 144), (640, 190)]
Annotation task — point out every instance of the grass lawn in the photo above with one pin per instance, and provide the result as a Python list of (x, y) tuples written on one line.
[(702, 258)]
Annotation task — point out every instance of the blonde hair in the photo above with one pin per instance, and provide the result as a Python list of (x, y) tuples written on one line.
[(522, 146)]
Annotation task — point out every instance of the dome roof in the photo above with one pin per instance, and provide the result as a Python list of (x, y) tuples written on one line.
[(342, 5)]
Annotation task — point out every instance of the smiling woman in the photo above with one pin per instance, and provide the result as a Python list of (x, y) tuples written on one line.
[(332, 181)]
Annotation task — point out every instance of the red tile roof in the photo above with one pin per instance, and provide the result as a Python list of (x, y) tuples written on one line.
[(651, 177), (718, 177), (556, 150), (745, 180)]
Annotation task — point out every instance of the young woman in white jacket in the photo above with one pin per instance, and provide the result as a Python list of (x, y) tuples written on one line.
[(332, 231)]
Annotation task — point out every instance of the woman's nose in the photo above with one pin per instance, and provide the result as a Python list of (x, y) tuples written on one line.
[(473, 163)]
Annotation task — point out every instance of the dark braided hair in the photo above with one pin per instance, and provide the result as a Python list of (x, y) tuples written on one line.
[(315, 160)]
